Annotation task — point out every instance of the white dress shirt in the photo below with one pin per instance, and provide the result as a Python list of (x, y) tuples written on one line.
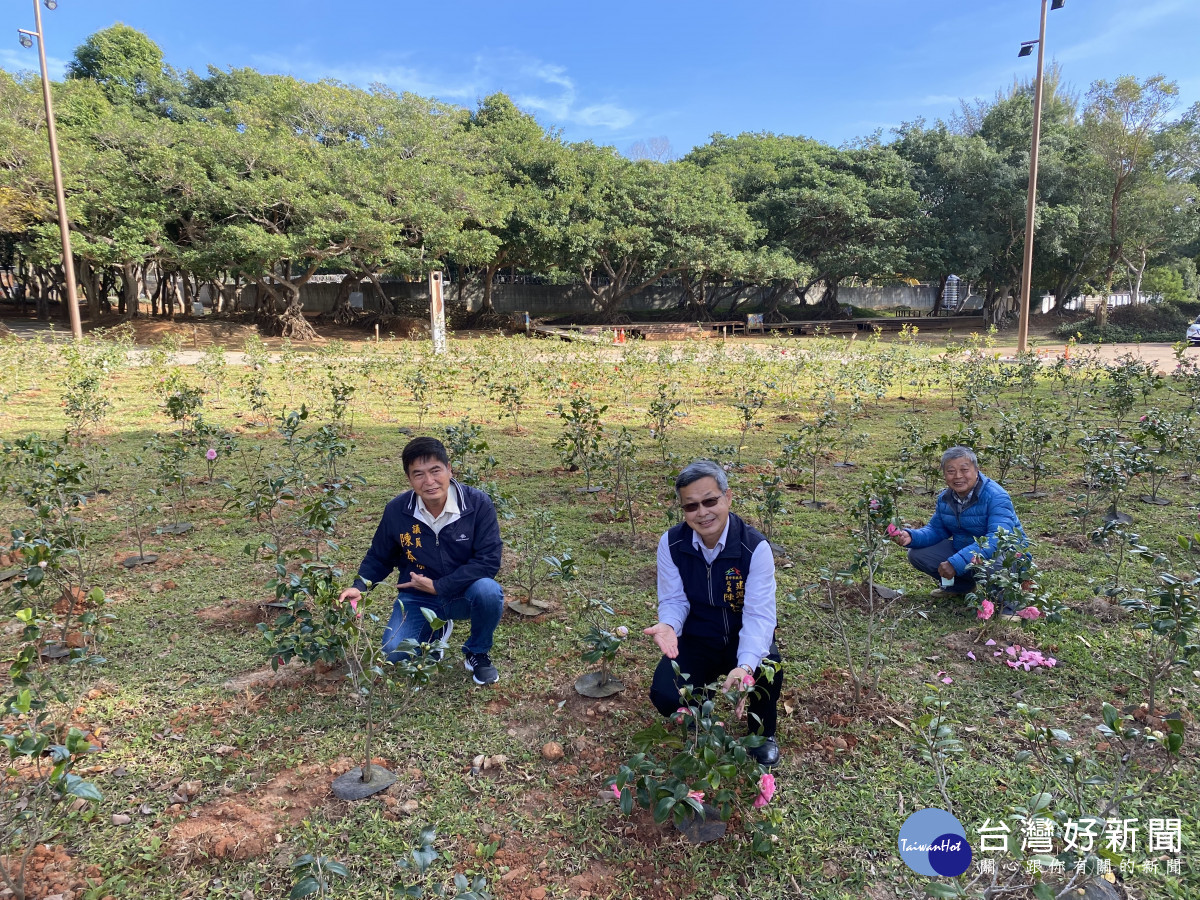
[(450, 512), (758, 612)]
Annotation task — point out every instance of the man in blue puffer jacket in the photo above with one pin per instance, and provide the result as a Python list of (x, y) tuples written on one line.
[(971, 506)]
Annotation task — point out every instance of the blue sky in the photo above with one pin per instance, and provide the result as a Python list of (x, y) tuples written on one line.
[(619, 71)]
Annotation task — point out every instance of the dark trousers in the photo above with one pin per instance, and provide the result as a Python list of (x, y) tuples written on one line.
[(704, 662), (927, 560)]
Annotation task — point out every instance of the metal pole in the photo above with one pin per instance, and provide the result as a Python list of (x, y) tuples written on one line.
[(437, 313), (1031, 201), (63, 226)]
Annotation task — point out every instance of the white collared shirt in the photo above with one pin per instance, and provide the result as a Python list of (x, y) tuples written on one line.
[(450, 512), (758, 613)]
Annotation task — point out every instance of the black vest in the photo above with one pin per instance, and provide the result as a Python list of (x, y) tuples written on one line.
[(716, 593)]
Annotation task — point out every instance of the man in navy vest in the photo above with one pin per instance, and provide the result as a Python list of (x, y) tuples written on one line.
[(444, 538), (716, 603)]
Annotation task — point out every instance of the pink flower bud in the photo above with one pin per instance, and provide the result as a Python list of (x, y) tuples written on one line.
[(747, 681), (616, 792)]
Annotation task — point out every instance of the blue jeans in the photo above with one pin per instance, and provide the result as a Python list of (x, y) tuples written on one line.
[(482, 603)]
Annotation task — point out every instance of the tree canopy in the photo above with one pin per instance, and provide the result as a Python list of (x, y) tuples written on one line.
[(266, 180)]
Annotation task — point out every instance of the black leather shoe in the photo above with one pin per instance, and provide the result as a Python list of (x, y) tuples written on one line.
[(767, 753)]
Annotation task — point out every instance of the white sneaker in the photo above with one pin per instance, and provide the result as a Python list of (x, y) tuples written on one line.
[(447, 630)]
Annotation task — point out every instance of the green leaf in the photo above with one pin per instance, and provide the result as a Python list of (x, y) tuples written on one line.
[(77, 787), (1043, 891), (305, 887)]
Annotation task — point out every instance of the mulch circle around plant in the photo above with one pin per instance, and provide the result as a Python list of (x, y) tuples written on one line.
[(174, 528), (1033, 495), (132, 562), (704, 830), (1155, 501), (351, 786), (527, 609), (590, 685), (9, 574)]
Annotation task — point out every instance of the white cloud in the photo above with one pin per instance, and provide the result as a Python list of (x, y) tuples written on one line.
[(547, 89), (1130, 18), (27, 60), (605, 115)]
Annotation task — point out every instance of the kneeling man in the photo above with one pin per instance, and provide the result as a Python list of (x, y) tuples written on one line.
[(716, 603), (444, 538)]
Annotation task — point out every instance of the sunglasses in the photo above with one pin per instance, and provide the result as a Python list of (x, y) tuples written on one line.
[(707, 503)]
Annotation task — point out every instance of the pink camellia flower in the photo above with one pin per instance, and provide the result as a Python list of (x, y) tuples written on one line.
[(698, 796), (354, 606), (616, 792), (1030, 612), (874, 504), (766, 790), (747, 681), (1142, 419), (211, 454), (986, 610), (892, 530), (677, 716)]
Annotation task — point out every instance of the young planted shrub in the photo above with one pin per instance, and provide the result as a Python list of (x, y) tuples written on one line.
[(862, 619), (690, 766), (316, 627), (579, 444), (661, 416)]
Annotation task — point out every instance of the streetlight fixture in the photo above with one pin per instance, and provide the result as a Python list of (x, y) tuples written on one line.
[(1031, 200), (64, 229)]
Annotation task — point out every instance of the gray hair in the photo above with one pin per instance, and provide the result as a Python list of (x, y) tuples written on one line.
[(701, 468), (959, 452)]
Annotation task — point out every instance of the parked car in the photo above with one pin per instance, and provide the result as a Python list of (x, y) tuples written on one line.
[(1193, 333)]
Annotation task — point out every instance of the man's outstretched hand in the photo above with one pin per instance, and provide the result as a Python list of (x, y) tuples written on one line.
[(664, 636)]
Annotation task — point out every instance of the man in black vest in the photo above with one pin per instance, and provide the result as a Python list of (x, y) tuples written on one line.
[(716, 603)]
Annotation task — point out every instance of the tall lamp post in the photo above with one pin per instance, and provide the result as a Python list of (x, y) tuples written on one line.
[(1031, 200), (27, 39)]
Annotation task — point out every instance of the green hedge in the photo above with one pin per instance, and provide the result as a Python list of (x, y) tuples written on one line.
[(1162, 323)]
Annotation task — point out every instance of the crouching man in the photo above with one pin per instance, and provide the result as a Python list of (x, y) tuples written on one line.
[(444, 538), (716, 603)]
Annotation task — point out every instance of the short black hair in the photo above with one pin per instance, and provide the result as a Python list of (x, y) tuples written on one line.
[(424, 448)]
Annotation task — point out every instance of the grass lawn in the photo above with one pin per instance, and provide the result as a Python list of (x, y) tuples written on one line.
[(218, 769)]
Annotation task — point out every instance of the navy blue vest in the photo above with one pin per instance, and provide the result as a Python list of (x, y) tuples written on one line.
[(716, 593)]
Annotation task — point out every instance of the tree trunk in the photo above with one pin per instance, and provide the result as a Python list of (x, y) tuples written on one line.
[(489, 274), (941, 296), (129, 291), (342, 313), (186, 282), (91, 287)]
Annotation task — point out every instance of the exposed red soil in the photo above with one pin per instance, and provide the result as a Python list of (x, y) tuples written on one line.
[(53, 871), (244, 826)]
